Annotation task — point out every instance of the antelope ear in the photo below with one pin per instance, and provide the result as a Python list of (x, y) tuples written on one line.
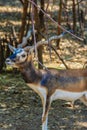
[(11, 48)]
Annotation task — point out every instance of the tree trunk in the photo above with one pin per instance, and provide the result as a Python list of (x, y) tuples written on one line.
[(41, 17), (24, 15), (1, 57), (39, 25), (74, 15), (59, 21)]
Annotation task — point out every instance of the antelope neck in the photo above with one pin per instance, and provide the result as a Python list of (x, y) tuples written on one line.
[(30, 74)]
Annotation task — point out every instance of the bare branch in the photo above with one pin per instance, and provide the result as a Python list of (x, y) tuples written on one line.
[(22, 2)]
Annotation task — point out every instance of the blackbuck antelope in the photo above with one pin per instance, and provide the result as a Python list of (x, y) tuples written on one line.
[(52, 84)]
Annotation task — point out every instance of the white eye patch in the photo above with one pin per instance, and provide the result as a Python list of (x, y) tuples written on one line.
[(22, 56)]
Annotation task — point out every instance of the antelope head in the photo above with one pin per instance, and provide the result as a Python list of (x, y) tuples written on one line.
[(19, 56)]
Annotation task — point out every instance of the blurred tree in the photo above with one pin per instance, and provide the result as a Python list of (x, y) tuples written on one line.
[(74, 15), (1, 57), (59, 21), (23, 21), (39, 25)]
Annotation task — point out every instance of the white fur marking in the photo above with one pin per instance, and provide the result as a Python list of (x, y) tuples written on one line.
[(42, 93), (22, 59), (38, 89), (66, 95)]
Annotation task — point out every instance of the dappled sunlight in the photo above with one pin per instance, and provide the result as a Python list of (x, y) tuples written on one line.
[(21, 107), (67, 118), (5, 9), (16, 104), (7, 16), (73, 53)]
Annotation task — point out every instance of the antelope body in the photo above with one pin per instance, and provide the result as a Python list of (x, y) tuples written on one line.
[(51, 84)]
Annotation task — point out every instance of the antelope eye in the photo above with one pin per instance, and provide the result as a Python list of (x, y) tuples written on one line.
[(23, 55)]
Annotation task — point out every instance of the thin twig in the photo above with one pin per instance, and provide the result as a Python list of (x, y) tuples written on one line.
[(59, 56)]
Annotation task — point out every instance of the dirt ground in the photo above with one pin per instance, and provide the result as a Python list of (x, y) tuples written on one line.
[(20, 107), (14, 110)]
